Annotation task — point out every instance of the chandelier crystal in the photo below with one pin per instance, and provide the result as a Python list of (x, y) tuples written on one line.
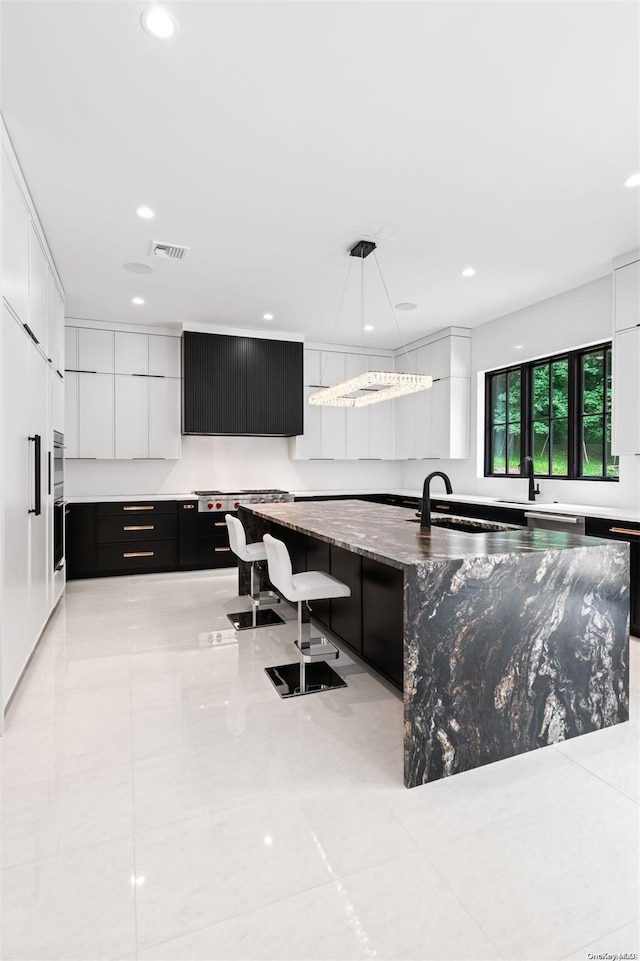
[(378, 384)]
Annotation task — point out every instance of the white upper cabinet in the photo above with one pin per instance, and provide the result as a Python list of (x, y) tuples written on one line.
[(38, 282), (95, 350), (15, 244), (71, 348), (311, 368), (95, 416), (626, 392), (131, 353), (627, 296), (164, 356), (131, 416), (164, 417), (332, 368)]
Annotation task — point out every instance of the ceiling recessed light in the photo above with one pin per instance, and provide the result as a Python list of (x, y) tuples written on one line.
[(368, 327), (134, 268), (518, 346), (267, 316), (145, 212), (632, 181), (406, 305), (469, 272), (138, 301), (158, 23)]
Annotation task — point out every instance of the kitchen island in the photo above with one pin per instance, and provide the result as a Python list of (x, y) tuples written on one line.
[(508, 640)]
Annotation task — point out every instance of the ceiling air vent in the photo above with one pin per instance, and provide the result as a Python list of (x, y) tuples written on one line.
[(168, 251)]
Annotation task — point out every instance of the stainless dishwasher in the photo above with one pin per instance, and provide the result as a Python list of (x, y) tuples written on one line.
[(570, 523)]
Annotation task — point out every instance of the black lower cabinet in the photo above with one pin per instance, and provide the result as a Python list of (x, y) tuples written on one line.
[(346, 612), (319, 559), (383, 618), (628, 531), (106, 539), (80, 540)]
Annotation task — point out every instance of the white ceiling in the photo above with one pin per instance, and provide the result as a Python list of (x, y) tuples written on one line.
[(270, 136)]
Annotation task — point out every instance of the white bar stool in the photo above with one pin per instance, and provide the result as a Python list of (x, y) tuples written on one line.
[(311, 674), (259, 615)]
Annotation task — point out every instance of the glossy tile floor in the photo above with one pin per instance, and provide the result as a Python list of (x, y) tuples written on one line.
[(160, 801)]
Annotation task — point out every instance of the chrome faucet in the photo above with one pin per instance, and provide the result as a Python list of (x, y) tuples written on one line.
[(425, 516), (527, 464)]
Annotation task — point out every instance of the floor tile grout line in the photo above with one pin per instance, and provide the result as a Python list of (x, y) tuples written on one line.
[(605, 935)]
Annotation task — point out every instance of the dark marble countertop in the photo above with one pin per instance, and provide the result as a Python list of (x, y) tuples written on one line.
[(388, 534)]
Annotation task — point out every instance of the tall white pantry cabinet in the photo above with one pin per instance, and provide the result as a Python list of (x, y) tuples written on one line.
[(31, 408)]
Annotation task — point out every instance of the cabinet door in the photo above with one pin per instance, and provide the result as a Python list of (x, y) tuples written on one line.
[(164, 356), (95, 415), (38, 280), (71, 414), (15, 244), (214, 384), (41, 552), (346, 612), (626, 392), (274, 387), (15, 450), (627, 296), (306, 446), (381, 430), (164, 417), (52, 332), (57, 403), (131, 416), (95, 350), (383, 618), (358, 437), (131, 353), (332, 368), (80, 540), (423, 420), (311, 367), (404, 415), (59, 359), (71, 348), (333, 433)]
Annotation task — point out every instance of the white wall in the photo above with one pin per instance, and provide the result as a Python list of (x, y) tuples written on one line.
[(226, 463), (573, 319)]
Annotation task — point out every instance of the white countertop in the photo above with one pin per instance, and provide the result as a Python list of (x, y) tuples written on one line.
[(582, 510)]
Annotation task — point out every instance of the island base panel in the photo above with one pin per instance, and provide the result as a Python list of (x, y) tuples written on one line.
[(507, 654)]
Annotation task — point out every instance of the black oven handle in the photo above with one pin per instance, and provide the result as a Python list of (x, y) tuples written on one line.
[(37, 509), (48, 471)]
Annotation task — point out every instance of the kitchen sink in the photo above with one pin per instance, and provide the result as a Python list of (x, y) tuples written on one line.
[(467, 525)]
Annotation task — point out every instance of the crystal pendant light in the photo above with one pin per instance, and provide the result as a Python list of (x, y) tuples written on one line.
[(372, 386)]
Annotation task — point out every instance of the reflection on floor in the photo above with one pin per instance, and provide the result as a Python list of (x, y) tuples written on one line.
[(159, 800)]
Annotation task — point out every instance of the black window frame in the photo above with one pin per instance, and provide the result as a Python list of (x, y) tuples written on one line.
[(576, 415)]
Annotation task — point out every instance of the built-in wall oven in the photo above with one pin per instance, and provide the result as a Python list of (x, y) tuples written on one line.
[(58, 500)]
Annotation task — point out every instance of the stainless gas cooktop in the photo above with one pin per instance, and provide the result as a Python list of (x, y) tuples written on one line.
[(215, 500)]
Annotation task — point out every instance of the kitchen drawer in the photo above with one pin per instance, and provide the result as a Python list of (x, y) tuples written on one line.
[(215, 552), (129, 508), (616, 530), (137, 527), (143, 555), (212, 524)]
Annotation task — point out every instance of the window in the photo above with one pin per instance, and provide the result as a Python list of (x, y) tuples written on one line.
[(556, 410)]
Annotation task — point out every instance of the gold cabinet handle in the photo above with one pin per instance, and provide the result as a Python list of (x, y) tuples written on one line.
[(222, 550), (140, 507), (219, 524), (139, 554), (139, 527), (441, 507), (623, 530), (188, 507)]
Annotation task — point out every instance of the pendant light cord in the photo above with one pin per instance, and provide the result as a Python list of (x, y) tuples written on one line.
[(335, 323), (395, 319)]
